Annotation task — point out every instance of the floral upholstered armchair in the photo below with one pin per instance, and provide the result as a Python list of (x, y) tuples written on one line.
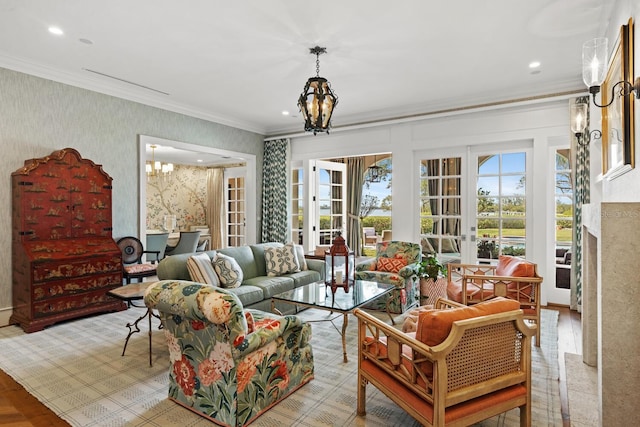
[(395, 263), (228, 364)]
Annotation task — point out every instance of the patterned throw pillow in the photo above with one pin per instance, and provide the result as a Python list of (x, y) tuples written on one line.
[(281, 260), (228, 270), (390, 265), (201, 270)]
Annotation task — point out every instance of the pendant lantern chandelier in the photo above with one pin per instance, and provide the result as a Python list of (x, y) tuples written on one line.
[(317, 101), (374, 172)]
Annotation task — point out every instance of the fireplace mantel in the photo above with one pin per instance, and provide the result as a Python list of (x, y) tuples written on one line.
[(611, 307)]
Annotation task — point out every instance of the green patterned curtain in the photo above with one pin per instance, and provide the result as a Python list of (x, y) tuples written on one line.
[(274, 191), (355, 179), (581, 195)]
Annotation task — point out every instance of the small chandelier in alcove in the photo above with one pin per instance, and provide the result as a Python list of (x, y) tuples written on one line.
[(317, 101), (154, 168)]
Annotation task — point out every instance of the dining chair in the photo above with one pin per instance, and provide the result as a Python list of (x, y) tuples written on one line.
[(132, 265), (156, 242), (188, 243)]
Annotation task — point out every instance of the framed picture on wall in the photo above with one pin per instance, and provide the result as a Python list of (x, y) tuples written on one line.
[(617, 119)]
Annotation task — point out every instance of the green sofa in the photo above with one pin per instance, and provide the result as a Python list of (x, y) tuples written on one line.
[(257, 288)]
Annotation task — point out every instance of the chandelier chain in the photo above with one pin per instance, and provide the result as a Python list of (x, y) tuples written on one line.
[(317, 65)]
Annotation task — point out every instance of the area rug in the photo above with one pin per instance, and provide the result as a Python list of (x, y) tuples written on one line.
[(582, 391), (76, 369)]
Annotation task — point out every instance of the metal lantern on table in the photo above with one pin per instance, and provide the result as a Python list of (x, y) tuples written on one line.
[(340, 265)]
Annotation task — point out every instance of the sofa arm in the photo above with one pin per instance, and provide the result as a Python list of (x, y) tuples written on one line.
[(366, 265), (408, 271), (268, 327), (317, 265)]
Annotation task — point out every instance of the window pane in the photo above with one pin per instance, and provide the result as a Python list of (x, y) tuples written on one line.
[(513, 185), (513, 162), (488, 165)]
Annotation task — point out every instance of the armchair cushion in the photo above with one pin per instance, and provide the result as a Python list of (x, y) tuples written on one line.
[(514, 267), (228, 270), (201, 270), (281, 260), (434, 326)]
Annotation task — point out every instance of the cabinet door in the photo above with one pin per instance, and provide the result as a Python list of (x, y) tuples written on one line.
[(44, 197), (90, 201)]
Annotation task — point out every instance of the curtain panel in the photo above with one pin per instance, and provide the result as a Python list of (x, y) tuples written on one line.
[(580, 165), (216, 208), (274, 191), (355, 180)]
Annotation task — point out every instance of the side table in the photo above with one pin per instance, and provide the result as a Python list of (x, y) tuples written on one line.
[(131, 293)]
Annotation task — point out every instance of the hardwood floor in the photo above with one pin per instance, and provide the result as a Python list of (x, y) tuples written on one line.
[(19, 409)]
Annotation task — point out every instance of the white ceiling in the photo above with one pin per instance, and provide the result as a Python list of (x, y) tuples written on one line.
[(242, 63)]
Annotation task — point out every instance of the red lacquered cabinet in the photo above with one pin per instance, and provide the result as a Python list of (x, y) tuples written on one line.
[(63, 255)]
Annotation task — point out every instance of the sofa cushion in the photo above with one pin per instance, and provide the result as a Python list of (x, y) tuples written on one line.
[(302, 278), (248, 295), (281, 260), (271, 285), (201, 270), (245, 259), (514, 267), (302, 261), (434, 326), (228, 270)]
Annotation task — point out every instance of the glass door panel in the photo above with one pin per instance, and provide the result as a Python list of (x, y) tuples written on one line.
[(236, 215), (500, 205), (441, 207)]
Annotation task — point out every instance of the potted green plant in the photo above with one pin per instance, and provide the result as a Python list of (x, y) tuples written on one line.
[(429, 270)]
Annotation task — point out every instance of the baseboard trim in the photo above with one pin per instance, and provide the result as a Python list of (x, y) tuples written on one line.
[(5, 314)]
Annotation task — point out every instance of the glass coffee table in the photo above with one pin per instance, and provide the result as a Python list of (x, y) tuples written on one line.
[(318, 295)]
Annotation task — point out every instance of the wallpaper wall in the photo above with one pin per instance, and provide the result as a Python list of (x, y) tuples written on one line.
[(182, 194), (39, 116)]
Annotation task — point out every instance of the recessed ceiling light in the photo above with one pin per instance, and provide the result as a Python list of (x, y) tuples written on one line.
[(199, 160), (85, 41), (535, 64), (285, 113), (56, 30)]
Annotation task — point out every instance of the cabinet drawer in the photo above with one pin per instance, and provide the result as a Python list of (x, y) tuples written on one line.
[(74, 286), (75, 268), (85, 301)]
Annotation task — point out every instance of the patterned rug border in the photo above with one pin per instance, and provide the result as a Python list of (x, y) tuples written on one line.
[(76, 370)]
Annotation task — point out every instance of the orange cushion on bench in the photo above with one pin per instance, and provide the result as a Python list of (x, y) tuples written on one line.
[(434, 326)]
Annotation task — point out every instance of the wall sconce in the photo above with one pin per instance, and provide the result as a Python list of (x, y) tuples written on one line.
[(317, 101), (594, 70), (579, 123)]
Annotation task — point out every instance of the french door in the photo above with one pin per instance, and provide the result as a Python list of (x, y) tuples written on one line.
[(473, 204), (318, 202), (235, 179)]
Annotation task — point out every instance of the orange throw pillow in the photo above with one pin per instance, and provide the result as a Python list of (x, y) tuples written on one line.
[(390, 265)]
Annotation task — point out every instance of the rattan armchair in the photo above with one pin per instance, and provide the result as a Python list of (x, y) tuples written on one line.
[(513, 278), (479, 368)]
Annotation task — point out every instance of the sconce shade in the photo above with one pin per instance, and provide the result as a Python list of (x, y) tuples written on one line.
[(594, 61), (578, 118)]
